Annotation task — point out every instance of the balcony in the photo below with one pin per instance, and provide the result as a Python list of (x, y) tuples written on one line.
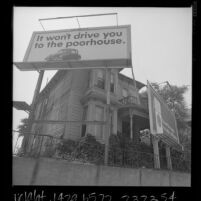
[(129, 100), (97, 93)]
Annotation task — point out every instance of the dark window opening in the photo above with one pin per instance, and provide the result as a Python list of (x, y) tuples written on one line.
[(100, 80), (112, 83), (84, 128)]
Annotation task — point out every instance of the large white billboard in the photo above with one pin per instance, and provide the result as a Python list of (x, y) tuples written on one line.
[(162, 119), (106, 45)]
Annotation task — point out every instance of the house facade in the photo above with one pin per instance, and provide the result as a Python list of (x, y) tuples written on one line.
[(80, 95)]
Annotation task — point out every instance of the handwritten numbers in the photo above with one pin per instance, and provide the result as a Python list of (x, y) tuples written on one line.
[(67, 197), (92, 196), (172, 197), (153, 198), (164, 195), (108, 196), (28, 196), (96, 197), (74, 197), (60, 197), (135, 198), (102, 196), (105, 197), (144, 196), (126, 197)]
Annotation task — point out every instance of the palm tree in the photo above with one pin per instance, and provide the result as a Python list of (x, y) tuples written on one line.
[(174, 97)]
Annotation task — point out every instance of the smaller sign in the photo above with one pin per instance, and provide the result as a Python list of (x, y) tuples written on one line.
[(162, 119), (159, 126)]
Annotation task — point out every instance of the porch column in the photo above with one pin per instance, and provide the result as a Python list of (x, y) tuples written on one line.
[(136, 130), (131, 123), (156, 152), (114, 122), (91, 117), (92, 78), (168, 157)]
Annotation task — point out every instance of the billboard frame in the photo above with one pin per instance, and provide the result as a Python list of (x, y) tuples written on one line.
[(74, 64), (166, 138)]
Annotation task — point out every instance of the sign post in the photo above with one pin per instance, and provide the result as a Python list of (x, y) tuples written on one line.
[(155, 141), (31, 114), (168, 156), (108, 77), (163, 125)]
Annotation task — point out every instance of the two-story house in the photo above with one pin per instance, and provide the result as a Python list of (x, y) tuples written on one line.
[(80, 95)]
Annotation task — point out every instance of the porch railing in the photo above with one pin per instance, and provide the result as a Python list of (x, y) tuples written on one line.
[(129, 100)]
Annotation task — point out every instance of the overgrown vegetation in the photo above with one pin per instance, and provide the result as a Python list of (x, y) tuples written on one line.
[(87, 150), (122, 151), (125, 152), (174, 97)]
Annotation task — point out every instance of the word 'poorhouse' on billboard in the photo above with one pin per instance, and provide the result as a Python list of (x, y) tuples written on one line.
[(101, 43)]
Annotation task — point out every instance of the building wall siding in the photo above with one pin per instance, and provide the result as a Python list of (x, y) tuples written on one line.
[(75, 107)]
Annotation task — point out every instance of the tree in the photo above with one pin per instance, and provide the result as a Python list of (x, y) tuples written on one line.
[(23, 127), (174, 97)]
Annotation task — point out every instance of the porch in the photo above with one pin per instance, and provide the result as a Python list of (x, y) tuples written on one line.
[(132, 118)]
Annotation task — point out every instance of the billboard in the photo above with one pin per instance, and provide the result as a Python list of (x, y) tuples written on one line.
[(99, 46), (162, 119)]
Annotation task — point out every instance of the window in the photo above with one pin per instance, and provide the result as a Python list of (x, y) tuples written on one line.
[(124, 93), (111, 121), (100, 79), (112, 83), (99, 117)]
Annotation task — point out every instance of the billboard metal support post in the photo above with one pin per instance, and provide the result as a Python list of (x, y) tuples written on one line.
[(156, 152), (108, 76), (31, 115), (168, 156), (131, 123)]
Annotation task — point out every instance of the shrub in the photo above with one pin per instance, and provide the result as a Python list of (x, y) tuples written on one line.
[(88, 149), (125, 152)]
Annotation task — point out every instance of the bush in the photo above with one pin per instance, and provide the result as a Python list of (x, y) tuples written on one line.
[(125, 152), (88, 149), (179, 161)]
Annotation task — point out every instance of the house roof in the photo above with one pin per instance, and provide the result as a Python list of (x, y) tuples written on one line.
[(139, 85), (57, 77)]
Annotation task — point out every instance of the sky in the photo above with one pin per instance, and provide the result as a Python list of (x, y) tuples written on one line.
[(161, 43)]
